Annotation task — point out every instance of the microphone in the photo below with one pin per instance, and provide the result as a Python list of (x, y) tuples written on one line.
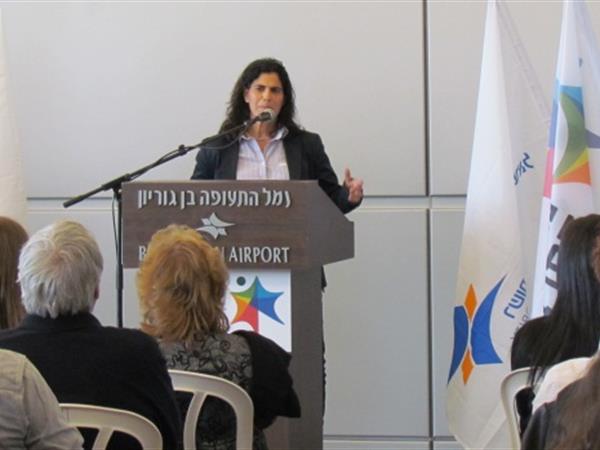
[(265, 116)]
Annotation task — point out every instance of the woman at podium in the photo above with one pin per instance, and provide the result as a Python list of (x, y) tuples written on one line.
[(260, 140)]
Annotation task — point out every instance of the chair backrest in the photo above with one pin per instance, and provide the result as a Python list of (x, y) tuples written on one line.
[(512, 384), (109, 420), (202, 386)]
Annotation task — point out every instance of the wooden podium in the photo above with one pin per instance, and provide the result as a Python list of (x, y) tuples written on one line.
[(289, 225)]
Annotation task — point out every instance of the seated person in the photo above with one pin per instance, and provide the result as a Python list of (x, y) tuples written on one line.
[(572, 329), (83, 361), (570, 422), (30, 417), (12, 238), (558, 377), (181, 285)]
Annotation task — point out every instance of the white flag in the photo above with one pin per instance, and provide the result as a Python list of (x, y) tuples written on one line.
[(12, 188), (498, 248), (572, 180)]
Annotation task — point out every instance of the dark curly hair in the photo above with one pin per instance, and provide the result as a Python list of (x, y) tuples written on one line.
[(237, 109)]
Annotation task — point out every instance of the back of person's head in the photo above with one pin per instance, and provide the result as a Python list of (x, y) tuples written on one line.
[(12, 238), (181, 286), (578, 271), (59, 270), (573, 325), (578, 414)]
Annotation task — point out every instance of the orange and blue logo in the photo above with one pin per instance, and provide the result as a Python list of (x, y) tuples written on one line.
[(473, 344)]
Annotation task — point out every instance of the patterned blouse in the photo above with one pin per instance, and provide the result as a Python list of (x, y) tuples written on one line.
[(222, 355)]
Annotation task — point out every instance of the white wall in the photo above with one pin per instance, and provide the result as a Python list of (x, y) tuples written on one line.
[(103, 88)]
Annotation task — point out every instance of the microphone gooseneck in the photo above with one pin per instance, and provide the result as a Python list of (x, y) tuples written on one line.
[(265, 116)]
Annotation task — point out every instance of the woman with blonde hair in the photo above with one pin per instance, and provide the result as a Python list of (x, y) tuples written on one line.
[(12, 238), (182, 284)]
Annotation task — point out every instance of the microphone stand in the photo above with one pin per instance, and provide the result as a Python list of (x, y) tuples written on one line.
[(116, 185)]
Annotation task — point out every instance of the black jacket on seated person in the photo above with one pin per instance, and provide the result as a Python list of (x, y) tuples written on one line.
[(271, 387), (85, 362), (527, 339), (543, 428)]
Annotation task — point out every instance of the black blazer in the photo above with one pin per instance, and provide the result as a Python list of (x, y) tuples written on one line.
[(271, 387), (544, 428), (84, 362), (306, 160)]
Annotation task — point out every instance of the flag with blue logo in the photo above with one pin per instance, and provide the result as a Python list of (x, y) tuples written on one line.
[(500, 231), (12, 186), (572, 161)]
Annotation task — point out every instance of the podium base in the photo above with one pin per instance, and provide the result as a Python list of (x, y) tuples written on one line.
[(306, 367)]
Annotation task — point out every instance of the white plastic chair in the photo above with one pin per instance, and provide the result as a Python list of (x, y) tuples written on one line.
[(202, 386), (512, 384), (109, 420)]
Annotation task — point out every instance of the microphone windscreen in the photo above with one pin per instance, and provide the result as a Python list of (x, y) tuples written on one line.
[(266, 115)]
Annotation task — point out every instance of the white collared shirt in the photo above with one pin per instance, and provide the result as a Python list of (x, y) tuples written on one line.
[(254, 164)]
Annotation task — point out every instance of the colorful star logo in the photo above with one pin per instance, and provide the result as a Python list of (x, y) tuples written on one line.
[(574, 166), (472, 339), (253, 300)]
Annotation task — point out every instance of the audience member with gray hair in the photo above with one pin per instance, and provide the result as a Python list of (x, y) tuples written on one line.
[(82, 361), (59, 271)]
